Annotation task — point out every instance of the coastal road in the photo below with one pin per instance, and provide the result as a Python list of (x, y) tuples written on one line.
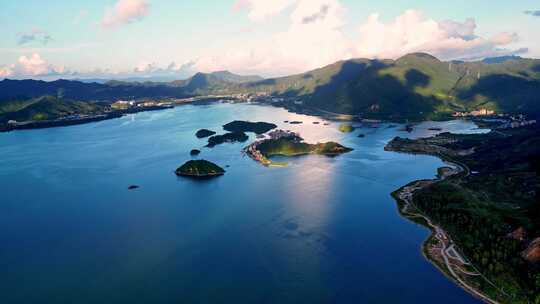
[(447, 248)]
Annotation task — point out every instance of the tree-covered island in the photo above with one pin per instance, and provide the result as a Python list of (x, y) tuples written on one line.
[(286, 143), (200, 169)]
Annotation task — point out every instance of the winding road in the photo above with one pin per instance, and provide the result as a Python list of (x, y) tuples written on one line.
[(448, 250)]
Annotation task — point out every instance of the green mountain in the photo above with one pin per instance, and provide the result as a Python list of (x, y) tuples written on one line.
[(415, 86), (234, 78), (46, 108)]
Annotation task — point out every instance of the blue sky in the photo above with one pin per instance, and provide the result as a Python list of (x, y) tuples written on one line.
[(120, 38)]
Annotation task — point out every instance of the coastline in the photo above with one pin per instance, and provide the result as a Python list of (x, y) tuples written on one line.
[(62, 122), (439, 248), (45, 124)]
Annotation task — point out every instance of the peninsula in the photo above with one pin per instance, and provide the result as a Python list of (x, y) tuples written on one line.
[(483, 211)]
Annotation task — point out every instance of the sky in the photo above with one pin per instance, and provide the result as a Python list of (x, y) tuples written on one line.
[(176, 38)]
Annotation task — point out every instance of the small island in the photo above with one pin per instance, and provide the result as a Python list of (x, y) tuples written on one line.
[(286, 143), (227, 138), (203, 133), (346, 128), (195, 152), (200, 169), (246, 126)]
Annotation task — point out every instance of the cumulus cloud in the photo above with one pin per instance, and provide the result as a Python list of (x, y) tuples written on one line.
[(146, 68), (504, 38), (5, 71), (125, 12), (31, 66), (415, 32), (36, 67), (533, 13), (303, 45), (316, 36), (35, 35)]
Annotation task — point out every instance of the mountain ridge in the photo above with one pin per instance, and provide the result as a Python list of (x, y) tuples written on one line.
[(416, 86)]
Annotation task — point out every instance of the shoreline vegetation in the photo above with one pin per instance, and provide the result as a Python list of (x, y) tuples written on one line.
[(105, 111), (415, 87), (289, 144), (199, 169), (482, 212)]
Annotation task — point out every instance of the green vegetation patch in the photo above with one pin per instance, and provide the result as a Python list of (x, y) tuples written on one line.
[(246, 126), (199, 169), (346, 128), (481, 208), (287, 147), (227, 138)]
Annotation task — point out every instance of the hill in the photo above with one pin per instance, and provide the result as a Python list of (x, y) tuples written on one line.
[(415, 86), (199, 84), (76, 90), (234, 78), (46, 108), (491, 209)]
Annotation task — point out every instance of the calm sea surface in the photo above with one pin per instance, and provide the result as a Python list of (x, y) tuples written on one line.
[(323, 230)]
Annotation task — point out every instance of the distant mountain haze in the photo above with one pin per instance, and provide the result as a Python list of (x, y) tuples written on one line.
[(415, 86)]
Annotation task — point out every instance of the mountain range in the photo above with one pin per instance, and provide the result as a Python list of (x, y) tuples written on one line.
[(416, 86)]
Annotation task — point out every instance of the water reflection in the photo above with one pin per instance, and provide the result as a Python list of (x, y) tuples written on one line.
[(321, 230)]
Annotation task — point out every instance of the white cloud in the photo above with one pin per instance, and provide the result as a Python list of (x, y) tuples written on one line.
[(414, 32), (146, 67), (125, 12), (316, 37), (504, 38), (36, 67), (6, 71), (31, 66)]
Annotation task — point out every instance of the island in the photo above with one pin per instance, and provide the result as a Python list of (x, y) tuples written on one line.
[(346, 128), (286, 143), (203, 133), (246, 126), (227, 138), (200, 169), (195, 152)]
